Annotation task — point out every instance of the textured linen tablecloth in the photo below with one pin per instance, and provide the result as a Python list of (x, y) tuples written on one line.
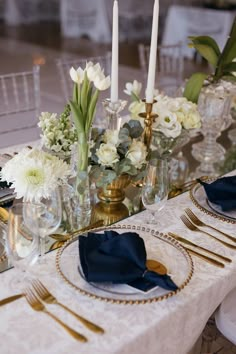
[(167, 327)]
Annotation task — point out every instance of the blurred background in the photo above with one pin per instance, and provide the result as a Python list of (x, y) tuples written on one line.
[(51, 33)]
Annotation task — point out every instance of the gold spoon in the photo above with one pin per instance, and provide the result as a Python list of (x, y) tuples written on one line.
[(65, 237)]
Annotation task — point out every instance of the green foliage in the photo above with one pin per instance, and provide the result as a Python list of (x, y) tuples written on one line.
[(222, 62), (103, 175)]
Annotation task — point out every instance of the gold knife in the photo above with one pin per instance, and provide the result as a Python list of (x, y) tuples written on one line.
[(9, 299), (205, 258), (190, 243)]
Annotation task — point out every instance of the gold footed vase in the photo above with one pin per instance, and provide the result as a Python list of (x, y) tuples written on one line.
[(110, 209)]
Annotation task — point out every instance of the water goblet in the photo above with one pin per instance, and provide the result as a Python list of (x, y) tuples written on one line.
[(49, 214), (22, 243), (155, 188)]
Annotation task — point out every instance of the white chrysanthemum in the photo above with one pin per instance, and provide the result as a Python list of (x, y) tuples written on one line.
[(34, 174)]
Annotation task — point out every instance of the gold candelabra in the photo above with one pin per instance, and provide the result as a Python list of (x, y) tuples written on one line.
[(149, 118)]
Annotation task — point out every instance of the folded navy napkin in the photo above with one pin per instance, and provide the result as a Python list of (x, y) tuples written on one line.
[(222, 192), (118, 258)]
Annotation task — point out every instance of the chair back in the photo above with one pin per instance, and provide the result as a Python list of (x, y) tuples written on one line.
[(64, 66), (19, 103), (170, 66)]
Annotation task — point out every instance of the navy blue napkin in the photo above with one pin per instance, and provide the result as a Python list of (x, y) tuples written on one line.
[(222, 192), (118, 258)]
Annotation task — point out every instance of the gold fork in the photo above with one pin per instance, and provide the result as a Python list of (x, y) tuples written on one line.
[(199, 222), (37, 305), (193, 227), (47, 297)]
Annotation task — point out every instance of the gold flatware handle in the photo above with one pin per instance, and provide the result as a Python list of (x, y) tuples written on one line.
[(222, 233), (206, 258), (185, 241), (9, 299), (217, 239), (69, 330), (90, 325), (63, 238)]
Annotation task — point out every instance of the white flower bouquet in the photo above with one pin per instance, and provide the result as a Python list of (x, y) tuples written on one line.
[(173, 114), (58, 133), (114, 152), (34, 174)]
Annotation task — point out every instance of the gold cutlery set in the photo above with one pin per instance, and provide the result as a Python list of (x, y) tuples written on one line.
[(38, 295), (193, 223)]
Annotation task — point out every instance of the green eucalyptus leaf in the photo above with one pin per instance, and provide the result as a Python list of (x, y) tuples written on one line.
[(124, 134), (194, 86), (135, 128)]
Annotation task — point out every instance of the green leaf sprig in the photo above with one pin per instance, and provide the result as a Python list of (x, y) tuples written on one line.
[(222, 62)]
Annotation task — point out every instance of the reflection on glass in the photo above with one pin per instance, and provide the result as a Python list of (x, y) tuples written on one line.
[(155, 188)]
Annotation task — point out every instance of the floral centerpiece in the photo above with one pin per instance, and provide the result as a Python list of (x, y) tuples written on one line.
[(174, 117), (117, 152), (58, 133), (34, 174)]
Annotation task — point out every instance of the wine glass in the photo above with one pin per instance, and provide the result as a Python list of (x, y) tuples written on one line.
[(49, 214), (22, 243), (155, 188)]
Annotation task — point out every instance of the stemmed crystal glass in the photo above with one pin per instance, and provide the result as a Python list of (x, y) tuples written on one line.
[(22, 243), (155, 188), (49, 214)]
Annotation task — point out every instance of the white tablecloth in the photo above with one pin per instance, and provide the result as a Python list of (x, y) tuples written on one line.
[(168, 327)]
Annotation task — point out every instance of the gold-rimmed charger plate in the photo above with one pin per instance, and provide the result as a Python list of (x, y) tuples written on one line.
[(160, 247), (199, 199)]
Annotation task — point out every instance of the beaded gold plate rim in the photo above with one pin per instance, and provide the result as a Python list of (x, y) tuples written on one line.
[(205, 210), (3, 255), (154, 233)]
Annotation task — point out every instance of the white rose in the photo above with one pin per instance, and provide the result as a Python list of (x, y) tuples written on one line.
[(171, 132), (111, 137), (192, 120), (137, 153), (107, 154)]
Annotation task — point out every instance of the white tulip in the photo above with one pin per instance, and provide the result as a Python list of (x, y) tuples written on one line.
[(107, 154), (137, 154), (77, 75), (93, 71), (102, 83), (134, 87)]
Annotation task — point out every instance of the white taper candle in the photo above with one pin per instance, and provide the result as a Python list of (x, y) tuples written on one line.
[(153, 54), (115, 54)]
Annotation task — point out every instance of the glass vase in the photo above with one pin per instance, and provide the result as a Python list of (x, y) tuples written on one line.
[(214, 106), (82, 204)]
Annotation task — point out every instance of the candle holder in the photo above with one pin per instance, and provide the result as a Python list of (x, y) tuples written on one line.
[(149, 118), (113, 110)]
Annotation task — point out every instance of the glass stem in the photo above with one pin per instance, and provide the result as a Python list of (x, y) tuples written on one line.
[(42, 246)]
